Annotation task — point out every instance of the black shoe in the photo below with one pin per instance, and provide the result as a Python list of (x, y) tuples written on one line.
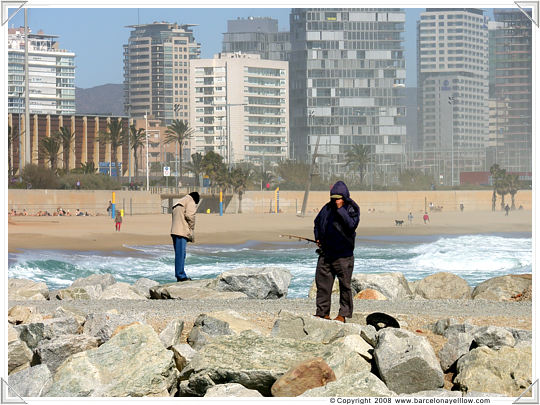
[(182, 279)]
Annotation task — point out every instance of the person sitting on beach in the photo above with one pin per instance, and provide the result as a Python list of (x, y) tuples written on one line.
[(182, 228), (335, 232)]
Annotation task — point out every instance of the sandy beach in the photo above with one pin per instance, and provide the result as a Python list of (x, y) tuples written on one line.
[(98, 233)]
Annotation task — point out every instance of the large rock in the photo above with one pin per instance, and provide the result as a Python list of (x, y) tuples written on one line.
[(78, 293), (231, 390), (188, 290), (103, 325), (69, 311), (358, 344), (370, 294), (362, 384), (123, 291), (183, 353), (205, 328), (505, 371), (443, 286), (494, 337), (260, 283), (60, 326), (406, 362), (143, 285), (22, 314), (132, 363), (457, 345), (19, 355), (502, 288), (394, 286), (20, 289), (170, 336), (522, 337), (434, 393), (309, 328), (31, 333), (103, 280), (54, 352), (309, 374), (31, 382)]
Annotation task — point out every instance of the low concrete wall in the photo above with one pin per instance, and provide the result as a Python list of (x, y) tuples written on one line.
[(380, 201), (93, 201)]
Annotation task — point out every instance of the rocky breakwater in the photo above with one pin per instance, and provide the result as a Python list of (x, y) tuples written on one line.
[(71, 353)]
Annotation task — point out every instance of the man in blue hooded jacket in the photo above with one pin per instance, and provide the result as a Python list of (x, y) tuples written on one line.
[(335, 232)]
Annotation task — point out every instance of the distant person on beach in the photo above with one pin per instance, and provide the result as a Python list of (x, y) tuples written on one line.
[(118, 221), (506, 208), (410, 217), (182, 230), (426, 218), (78, 184), (335, 227), (461, 207), (109, 208)]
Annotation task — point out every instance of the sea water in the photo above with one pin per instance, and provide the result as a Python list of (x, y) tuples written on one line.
[(472, 257)]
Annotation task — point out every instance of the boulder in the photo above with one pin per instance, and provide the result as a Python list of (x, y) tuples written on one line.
[(260, 283), (344, 358), (502, 288), (20, 289), (22, 314), (313, 329), (68, 311), (362, 384), (460, 328), (406, 362), (143, 285), (313, 289), (370, 294), (506, 371), (231, 390), (102, 325), (54, 352), (443, 286), (394, 286), (132, 363), (309, 374), (170, 336), (19, 355), (237, 322), (522, 337), (103, 280), (457, 345), (440, 326), (358, 345), (122, 291), (78, 293), (31, 333), (31, 382), (183, 353), (493, 337), (189, 290), (434, 393), (204, 328), (55, 327)]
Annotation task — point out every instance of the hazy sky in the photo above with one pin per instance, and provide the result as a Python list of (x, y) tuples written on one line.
[(96, 35)]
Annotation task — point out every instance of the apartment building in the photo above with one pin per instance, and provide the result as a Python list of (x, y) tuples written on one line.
[(453, 120), (347, 71), (156, 70), (239, 107), (51, 74)]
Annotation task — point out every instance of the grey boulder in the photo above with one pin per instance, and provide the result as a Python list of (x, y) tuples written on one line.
[(31, 382), (122, 291), (143, 285), (183, 353), (19, 355), (20, 289), (103, 280), (443, 285), (493, 337), (260, 283), (231, 390), (502, 288), (54, 352), (205, 328), (394, 286), (103, 325), (457, 345), (23, 314), (170, 336), (362, 384)]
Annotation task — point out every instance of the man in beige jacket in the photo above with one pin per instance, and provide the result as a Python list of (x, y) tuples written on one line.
[(183, 226)]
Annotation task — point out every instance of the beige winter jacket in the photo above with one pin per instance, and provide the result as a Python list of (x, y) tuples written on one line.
[(183, 218)]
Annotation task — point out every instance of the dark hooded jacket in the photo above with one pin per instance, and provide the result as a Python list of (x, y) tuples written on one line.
[(336, 228)]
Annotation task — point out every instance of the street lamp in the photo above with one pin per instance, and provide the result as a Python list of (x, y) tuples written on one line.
[(129, 143), (146, 135), (452, 100)]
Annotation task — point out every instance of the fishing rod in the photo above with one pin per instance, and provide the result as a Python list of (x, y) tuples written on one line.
[(297, 237)]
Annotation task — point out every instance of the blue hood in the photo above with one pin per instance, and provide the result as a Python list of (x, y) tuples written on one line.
[(341, 189)]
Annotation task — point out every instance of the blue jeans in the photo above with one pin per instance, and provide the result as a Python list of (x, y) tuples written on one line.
[(179, 244)]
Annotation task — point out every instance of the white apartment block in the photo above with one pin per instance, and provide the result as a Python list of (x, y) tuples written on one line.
[(239, 107), (51, 74)]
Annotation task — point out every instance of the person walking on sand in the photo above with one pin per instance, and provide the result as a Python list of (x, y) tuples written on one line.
[(335, 232), (506, 208), (118, 221), (410, 217), (426, 218), (182, 231)]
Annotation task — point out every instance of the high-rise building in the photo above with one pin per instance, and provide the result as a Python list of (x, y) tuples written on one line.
[(156, 70), (512, 75), (257, 35), (239, 107), (453, 91), (51, 74), (347, 69)]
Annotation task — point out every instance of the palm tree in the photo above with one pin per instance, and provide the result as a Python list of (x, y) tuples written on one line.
[(88, 168), (212, 164), (358, 158), (196, 166), (66, 137), (501, 187), (136, 138), (513, 187), (178, 132), (496, 174), (114, 136), (50, 146), (239, 180)]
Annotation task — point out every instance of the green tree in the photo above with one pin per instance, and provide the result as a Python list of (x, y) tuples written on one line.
[(66, 138), (50, 147), (240, 178), (213, 166), (179, 132), (294, 174), (136, 138), (39, 177), (114, 135), (86, 168), (196, 166), (502, 188), (496, 175), (514, 184), (357, 159)]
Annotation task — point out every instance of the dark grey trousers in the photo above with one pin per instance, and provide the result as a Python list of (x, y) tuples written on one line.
[(325, 275)]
